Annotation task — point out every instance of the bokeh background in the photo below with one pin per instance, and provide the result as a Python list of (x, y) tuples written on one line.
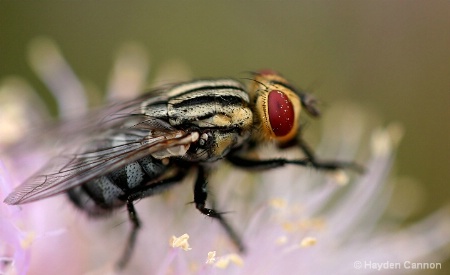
[(391, 58)]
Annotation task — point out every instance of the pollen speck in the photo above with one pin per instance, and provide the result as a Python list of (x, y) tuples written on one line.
[(28, 240), (224, 261), (236, 259), (211, 257), (278, 203), (181, 242), (308, 241)]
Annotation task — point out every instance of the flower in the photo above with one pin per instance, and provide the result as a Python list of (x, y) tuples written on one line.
[(15, 252), (292, 220)]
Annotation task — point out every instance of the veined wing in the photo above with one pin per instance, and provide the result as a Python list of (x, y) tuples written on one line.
[(81, 129), (146, 137)]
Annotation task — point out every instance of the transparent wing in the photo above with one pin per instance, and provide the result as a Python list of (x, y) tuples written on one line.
[(106, 140), (82, 128), (68, 171)]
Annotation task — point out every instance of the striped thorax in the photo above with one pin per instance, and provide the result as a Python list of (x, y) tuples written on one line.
[(218, 109)]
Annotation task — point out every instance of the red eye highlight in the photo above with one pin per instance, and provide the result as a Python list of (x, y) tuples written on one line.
[(281, 113)]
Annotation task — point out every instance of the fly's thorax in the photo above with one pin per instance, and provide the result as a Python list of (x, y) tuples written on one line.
[(218, 103), (192, 99), (276, 107), (209, 103), (218, 110)]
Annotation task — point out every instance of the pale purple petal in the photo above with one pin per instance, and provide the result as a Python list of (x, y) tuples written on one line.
[(129, 74), (49, 63)]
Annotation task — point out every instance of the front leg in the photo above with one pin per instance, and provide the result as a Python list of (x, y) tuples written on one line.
[(310, 160), (200, 195), (326, 164)]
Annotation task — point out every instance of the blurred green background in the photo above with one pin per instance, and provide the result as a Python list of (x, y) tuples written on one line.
[(390, 57)]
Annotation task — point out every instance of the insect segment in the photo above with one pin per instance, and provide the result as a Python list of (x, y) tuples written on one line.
[(153, 142), (219, 110), (276, 106)]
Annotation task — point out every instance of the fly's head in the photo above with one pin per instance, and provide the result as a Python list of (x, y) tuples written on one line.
[(276, 107)]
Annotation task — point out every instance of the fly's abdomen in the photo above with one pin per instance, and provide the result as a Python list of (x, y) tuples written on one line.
[(97, 197), (101, 195)]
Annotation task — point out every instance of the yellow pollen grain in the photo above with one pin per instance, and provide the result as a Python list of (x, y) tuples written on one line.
[(308, 241), (181, 242), (236, 259), (28, 240), (224, 261), (211, 257), (278, 203)]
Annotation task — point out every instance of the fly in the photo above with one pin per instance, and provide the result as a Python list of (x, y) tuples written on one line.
[(145, 146)]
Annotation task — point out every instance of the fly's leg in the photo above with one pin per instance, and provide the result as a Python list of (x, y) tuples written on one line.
[(263, 164), (136, 224), (327, 165), (200, 195), (309, 102), (275, 163), (310, 160), (131, 197)]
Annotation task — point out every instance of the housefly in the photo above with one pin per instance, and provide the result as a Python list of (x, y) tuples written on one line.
[(145, 146)]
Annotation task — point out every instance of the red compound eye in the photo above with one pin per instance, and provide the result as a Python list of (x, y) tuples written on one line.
[(281, 113)]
